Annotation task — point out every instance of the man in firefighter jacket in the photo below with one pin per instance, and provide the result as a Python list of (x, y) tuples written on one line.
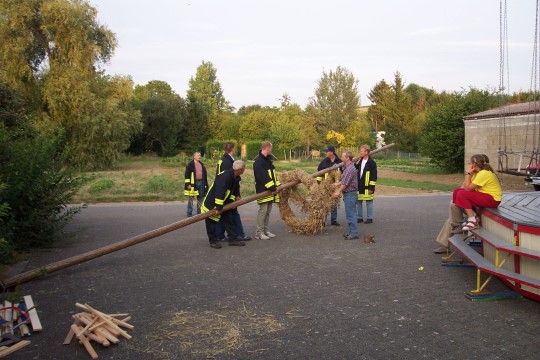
[(195, 183), (226, 163), (265, 179), (330, 160), (367, 179), (224, 190)]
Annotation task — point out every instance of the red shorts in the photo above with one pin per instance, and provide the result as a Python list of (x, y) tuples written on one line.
[(468, 199)]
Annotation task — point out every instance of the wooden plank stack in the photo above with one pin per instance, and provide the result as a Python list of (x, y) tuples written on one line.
[(93, 325)]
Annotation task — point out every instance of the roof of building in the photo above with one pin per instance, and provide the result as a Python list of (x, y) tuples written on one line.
[(531, 107)]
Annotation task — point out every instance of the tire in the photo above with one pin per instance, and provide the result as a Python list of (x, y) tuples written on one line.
[(537, 187)]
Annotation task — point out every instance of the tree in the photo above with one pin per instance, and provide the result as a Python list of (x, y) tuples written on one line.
[(35, 186), (163, 115), (443, 132), (336, 100), (398, 111), (205, 90), (257, 124), (285, 134), (51, 51)]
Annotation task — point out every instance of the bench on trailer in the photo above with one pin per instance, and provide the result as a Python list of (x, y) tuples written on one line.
[(483, 265), (499, 244)]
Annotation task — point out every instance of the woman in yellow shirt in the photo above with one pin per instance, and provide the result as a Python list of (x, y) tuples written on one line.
[(481, 188)]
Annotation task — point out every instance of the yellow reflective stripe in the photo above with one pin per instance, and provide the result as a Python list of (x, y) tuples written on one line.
[(220, 201), (366, 182), (319, 178), (269, 184), (191, 192), (186, 181), (219, 166), (373, 183), (193, 177), (232, 197)]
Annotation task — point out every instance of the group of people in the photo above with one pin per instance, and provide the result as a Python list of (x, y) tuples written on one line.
[(226, 189), (481, 189), (356, 186)]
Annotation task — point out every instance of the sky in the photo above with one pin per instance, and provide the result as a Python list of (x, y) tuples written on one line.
[(262, 49)]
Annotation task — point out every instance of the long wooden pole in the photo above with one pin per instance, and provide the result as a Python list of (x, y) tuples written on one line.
[(78, 259)]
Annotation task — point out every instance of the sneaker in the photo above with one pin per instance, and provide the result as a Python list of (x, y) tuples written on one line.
[(215, 245), (359, 221), (350, 237), (368, 221), (269, 234), (237, 243), (470, 225), (261, 237), (441, 250), (244, 238), (335, 223)]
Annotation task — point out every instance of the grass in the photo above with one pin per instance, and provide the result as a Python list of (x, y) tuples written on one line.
[(409, 184), (150, 178)]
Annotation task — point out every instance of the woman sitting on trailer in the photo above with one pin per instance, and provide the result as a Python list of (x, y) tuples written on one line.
[(481, 188)]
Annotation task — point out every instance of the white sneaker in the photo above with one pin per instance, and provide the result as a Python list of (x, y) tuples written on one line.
[(270, 235), (261, 237)]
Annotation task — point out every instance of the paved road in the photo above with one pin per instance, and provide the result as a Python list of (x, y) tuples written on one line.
[(293, 297)]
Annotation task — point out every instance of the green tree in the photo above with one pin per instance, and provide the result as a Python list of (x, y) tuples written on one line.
[(205, 90), (358, 133), (51, 51), (398, 111), (285, 130), (35, 186), (443, 132), (163, 115), (257, 124), (336, 99)]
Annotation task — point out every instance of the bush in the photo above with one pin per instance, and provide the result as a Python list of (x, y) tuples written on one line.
[(214, 148), (252, 149), (38, 187)]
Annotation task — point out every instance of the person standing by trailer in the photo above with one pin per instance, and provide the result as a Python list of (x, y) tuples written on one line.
[(265, 179), (330, 160), (367, 179), (195, 183)]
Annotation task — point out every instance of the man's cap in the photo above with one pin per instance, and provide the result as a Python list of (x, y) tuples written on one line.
[(330, 148)]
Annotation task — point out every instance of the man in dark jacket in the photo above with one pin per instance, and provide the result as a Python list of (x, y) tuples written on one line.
[(367, 179), (265, 179), (224, 190), (330, 160), (226, 163), (195, 183)]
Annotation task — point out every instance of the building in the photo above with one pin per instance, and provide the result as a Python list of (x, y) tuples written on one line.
[(512, 129)]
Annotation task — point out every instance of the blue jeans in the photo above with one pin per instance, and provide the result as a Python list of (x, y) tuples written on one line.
[(220, 229), (199, 185), (349, 200), (369, 208), (333, 214)]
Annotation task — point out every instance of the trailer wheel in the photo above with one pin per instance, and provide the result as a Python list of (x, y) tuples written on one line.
[(537, 187)]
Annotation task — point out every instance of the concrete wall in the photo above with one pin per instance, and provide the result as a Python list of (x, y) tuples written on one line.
[(516, 134)]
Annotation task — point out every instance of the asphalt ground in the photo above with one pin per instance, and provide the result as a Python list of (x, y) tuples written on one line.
[(292, 297)]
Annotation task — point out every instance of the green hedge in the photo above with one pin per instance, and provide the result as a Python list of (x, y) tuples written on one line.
[(252, 149), (214, 148)]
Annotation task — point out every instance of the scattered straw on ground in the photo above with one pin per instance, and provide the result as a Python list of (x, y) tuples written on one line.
[(211, 334), (315, 204)]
